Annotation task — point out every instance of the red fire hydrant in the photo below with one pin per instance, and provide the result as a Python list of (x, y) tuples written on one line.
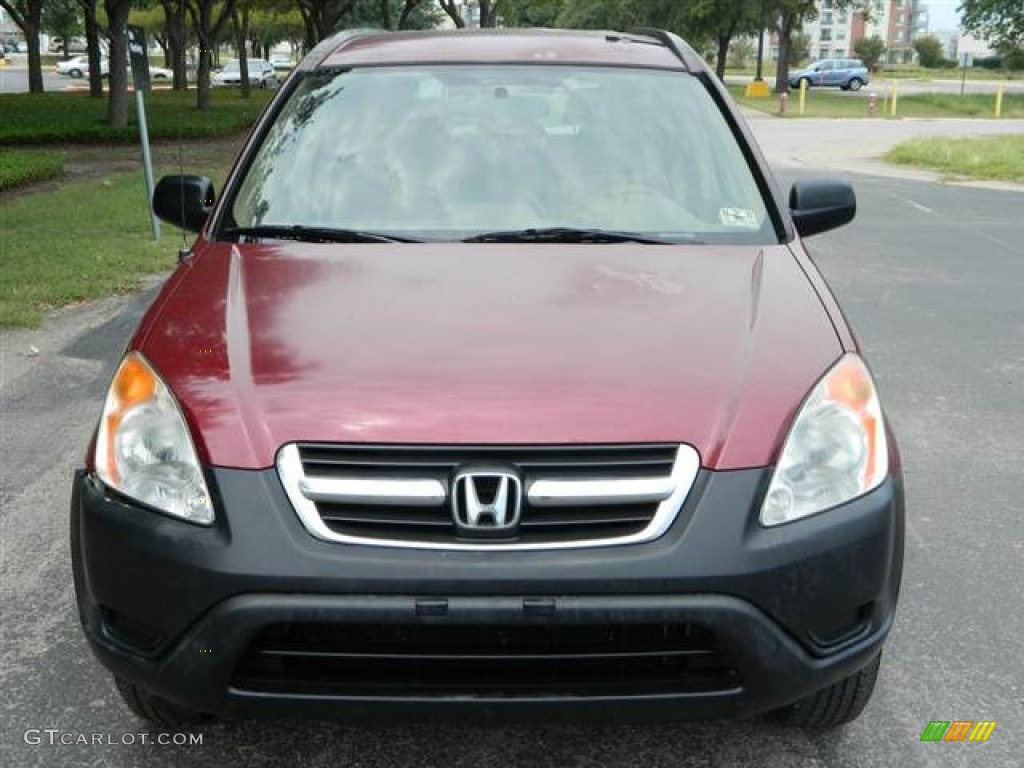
[(872, 104), (783, 101)]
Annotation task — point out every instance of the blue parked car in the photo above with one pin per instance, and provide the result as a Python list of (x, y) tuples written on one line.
[(848, 74)]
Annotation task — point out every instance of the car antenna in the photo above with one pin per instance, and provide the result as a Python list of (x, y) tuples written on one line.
[(185, 251)]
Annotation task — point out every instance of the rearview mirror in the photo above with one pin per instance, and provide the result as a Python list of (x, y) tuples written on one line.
[(184, 201), (819, 205)]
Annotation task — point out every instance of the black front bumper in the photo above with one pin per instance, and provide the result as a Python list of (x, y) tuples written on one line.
[(790, 610)]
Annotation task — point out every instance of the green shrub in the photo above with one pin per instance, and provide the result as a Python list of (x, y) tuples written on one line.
[(20, 166), (49, 118)]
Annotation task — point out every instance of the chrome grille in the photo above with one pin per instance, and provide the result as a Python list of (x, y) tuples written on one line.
[(573, 496)]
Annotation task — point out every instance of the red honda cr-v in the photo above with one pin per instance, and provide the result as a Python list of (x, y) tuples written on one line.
[(498, 382)]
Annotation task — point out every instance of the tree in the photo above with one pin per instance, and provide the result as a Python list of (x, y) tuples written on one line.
[(419, 14), (740, 53), (930, 51), (240, 21), (488, 12), (451, 7), (799, 49), (323, 17), (627, 14), (117, 26), (208, 19), (719, 20), (92, 47), (274, 21), (792, 14), (870, 50), (27, 15), (1000, 21), (61, 19), (531, 13), (177, 40)]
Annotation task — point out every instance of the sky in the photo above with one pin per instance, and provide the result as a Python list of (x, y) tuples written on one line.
[(942, 14)]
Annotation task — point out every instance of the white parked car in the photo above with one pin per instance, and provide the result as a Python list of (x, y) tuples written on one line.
[(281, 61), (76, 66), (155, 73), (261, 74)]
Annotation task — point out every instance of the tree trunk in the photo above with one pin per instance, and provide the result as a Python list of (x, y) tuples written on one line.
[(241, 23), (28, 17), (785, 41), (452, 9), (117, 98), (488, 13), (385, 14), (407, 8), (203, 76), (310, 29), (35, 59), (92, 44), (177, 42), (207, 23), (721, 54)]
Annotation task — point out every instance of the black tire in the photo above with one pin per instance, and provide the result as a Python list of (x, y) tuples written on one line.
[(75, 73), (156, 710), (838, 704), (855, 84)]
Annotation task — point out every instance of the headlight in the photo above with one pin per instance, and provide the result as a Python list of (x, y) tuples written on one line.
[(143, 449), (836, 449)]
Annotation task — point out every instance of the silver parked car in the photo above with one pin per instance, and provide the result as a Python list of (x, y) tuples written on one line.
[(261, 74), (848, 74)]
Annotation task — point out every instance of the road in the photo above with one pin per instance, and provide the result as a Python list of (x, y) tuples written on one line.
[(14, 77), (930, 275)]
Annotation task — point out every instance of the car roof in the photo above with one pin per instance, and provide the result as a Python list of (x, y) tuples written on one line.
[(531, 46)]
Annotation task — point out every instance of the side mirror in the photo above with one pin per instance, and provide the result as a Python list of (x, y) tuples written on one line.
[(820, 205), (184, 201)]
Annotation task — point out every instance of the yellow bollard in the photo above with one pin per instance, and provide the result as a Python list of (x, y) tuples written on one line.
[(803, 94), (895, 97), (999, 100)]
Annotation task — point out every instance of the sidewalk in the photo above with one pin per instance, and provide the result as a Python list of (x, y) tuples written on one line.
[(857, 145)]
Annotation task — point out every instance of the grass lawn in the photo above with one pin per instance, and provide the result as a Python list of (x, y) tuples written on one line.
[(82, 241), (21, 166), (989, 157), (49, 118), (835, 103)]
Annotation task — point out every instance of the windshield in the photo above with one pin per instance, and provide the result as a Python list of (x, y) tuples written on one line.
[(448, 152)]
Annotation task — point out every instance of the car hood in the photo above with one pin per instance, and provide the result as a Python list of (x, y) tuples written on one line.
[(484, 344)]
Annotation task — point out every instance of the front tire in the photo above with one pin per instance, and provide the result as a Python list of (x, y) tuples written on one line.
[(836, 705), (75, 73), (855, 84), (153, 709)]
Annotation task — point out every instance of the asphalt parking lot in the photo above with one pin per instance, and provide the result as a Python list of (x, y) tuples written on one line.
[(932, 277)]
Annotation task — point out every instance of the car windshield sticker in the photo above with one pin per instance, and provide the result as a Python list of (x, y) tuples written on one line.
[(738, 217)]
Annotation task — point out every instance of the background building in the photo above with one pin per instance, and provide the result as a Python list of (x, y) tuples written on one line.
[(835, 31)]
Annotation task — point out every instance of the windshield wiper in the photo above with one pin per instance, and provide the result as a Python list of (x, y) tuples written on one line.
[(314, 234), (564, 235)]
